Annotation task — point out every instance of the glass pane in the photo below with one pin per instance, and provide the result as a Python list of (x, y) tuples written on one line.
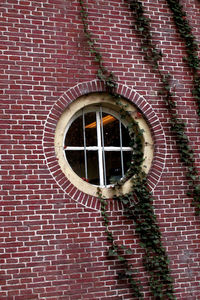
[(127, 159), (93, 167), (113, 166), (111, 130), (91, 129), (74, 136), (125, 137), (76, 161)]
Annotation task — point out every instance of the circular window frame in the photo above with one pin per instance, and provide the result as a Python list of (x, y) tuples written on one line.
[(105, 100), (99, 147)]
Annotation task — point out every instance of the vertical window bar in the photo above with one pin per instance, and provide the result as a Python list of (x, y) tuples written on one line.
[(84, 142), (98, 122), (120, 135), (103, 151)]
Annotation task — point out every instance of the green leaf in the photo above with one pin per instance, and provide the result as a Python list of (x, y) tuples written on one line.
[(129, 252)]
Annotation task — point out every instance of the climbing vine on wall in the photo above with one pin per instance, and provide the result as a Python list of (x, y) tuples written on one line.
[(142, 213), (185, 31), (177, 125), (102, 73), (119, 252)]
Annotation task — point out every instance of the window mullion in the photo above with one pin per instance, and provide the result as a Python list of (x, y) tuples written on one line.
[(101, 176), (121, 151), (103, 152), (84, 142)]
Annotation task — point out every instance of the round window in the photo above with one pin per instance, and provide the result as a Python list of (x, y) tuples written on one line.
[(93, 144), (96, 145)]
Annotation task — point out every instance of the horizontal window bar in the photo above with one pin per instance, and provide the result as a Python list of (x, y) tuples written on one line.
[(95, 148)]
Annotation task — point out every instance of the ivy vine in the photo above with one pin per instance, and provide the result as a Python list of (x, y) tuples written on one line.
[(119, 252), (102, 73), (177, 125), (155, 261), (185, 31), (138, 206)]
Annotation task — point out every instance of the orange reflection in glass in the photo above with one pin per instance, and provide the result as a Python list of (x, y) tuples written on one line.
[(107, 119)]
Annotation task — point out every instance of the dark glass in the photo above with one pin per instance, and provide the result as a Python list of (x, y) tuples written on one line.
[(74, 136), (113, 166), (126, 140), (111, 131), (91, 129), (93, 167), (127, 159), (76, 161)]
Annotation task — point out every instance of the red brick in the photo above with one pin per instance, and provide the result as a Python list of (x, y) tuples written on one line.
[(52, 241)]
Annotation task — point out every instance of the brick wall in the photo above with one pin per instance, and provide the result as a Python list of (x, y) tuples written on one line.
[(52, 240)]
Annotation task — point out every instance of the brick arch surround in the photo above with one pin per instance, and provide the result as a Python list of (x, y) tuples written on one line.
[(49, 134)]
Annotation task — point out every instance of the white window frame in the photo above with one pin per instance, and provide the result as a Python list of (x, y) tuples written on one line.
[(100, 148)]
